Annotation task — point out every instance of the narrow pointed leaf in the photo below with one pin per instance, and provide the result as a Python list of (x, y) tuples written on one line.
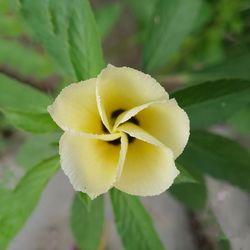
[(185, 176), (213, 102), (39, 122), (143, 10), (106, 18), (18, 205), (192, 195), (133, 223), (240, 121), (219, 157), (233, 68), (18, 96), (87, 222), (25, 107), (171, 23), (68, 31), (39, 147)]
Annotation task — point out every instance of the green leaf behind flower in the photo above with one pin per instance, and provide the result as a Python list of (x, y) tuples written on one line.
[(106, 18), (219, 157), (25, 107), (87, 222), (37, 148), (35, 122), (12, 54), (17, 205), (143, 10), (171, 23), (213, 102), (185, 176), (192, 194), (133, 223), (17, 96), (240, 121), (233, 68), (68, 31)]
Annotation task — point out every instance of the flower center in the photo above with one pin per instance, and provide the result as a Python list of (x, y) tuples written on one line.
[(114, 115)]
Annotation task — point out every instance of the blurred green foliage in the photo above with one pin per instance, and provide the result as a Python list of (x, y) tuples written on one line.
[(133, 223), (88, 232)]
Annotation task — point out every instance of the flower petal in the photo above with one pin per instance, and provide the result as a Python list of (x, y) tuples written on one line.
[(92, 165), (148, 169), (123, 88), (104, 137), (123, 152), (75, 108), (137, 132), (168, 123), (125, 116)]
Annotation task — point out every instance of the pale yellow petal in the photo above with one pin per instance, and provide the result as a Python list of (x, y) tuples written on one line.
[(123, 88), (148, 169), (137, 132), (75, 108), (168, 123), (123, 152), (125, 116), (92, 165)]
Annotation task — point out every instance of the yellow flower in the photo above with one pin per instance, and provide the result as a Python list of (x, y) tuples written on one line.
[(120, 130)]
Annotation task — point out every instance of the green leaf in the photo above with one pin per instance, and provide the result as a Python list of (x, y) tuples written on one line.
[(17, 96), (18, 205), (3, 6), (68, 31), (143, 10), (106, 18), (25, 107), (38, 122), (204, 16), (31, 122), (192, 195), (172, 22), (37, 148), (133, 223), (12, 54), (219, 157), (240, 121), (223, 242), (42, 21), (10, 24), (213, 102), (184, 176), (87, 224), (232, 68), (85, 46), (85, 200)]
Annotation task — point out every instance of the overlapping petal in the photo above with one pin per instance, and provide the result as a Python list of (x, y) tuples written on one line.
[(148, 169), (75, 108), (123, 88), (126, 115), (136, 132), (92, 165), (168, 123)]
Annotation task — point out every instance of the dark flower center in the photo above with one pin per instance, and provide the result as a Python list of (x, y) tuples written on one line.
[(114, 115)]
